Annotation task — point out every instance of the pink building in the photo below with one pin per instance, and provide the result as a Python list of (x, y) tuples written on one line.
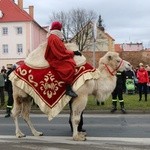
[(19, 32), (132, 46)]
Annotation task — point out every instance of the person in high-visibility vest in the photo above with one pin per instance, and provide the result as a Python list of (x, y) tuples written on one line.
[(118, 92)]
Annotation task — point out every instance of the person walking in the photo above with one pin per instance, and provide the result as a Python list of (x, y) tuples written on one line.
[(2, 85), (61, 59), (118, 92), (143, 80), (8, 87)]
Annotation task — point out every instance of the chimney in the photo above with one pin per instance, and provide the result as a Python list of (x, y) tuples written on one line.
[(31, 11), (20, 4)]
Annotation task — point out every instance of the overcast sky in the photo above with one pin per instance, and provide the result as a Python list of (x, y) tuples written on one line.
[(125, 20)]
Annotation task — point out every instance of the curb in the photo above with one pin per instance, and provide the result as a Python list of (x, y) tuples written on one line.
[(37, 111)]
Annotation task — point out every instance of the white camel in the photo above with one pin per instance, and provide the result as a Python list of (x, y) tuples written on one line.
[(101, 88)]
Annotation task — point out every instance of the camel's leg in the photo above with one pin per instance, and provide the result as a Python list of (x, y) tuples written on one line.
[(25, 114), (17, 106), (78, 106)]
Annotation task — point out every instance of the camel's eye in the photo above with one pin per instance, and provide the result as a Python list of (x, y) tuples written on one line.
[(109, 57)]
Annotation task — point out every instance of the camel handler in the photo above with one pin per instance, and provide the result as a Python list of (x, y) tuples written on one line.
[(61, 59), (118, 92)]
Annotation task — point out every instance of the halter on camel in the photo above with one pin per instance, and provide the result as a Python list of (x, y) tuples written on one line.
[(115, 70)]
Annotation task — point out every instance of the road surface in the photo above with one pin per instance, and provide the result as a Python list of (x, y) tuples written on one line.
[(104, 132)]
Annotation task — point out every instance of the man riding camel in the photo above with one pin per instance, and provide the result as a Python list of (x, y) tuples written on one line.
[(61, 59)]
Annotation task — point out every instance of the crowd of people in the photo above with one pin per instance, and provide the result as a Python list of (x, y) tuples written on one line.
[(140, 83)]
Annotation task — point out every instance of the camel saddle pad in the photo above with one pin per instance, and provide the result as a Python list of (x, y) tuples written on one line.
[(46, 82)]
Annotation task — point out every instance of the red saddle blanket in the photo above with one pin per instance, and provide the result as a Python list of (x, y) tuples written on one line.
[(46, 82)]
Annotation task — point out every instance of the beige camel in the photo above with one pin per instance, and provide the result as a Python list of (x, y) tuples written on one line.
[(101, 88)]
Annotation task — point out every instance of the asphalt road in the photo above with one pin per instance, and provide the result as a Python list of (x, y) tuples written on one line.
[(104, 132)]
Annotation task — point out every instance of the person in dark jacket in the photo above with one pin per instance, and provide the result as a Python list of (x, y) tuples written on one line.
[(2, 84), (8, 88), (118, 92), (129, 74)]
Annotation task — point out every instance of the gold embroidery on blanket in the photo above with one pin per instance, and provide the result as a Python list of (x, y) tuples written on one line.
[(24, 72), (50, 85), (30, 78), (78, 70)]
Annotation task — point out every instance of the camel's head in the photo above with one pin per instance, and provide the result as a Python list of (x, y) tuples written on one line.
[(114, 63)]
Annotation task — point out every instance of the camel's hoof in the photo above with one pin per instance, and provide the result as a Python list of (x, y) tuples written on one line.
[(38, 134), (41, 134), (83, 133), (20, 135), (79, 138)]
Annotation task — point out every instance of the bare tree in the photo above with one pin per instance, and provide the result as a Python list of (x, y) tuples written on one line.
[(76, 23), (81, 27), (64, 19)]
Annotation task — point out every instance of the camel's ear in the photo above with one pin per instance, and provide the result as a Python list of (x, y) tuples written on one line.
[(109, 57)]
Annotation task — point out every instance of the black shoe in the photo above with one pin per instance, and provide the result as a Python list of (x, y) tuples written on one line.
[(139, 99), (123, 111), (71, 93), (8, 115), (102, 103), (113, 110)]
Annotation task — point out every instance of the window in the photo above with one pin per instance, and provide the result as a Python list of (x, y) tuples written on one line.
[(19, 30), (5, 48), (19, 48), (5, 31)]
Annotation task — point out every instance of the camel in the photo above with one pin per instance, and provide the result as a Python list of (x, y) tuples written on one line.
[(101, 88)]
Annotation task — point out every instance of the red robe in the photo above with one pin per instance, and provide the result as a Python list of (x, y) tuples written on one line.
[(60, 58)]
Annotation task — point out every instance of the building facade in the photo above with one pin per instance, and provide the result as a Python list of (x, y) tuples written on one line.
[(19, 32), (129, 47)]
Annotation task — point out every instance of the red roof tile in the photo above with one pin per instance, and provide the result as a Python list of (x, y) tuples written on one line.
[(118, 48), (12, 13)]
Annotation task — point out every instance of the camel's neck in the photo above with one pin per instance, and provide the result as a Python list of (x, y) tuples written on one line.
[(104, 85)]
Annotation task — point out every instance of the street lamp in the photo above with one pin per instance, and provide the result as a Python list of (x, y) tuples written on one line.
[(94, 42)]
